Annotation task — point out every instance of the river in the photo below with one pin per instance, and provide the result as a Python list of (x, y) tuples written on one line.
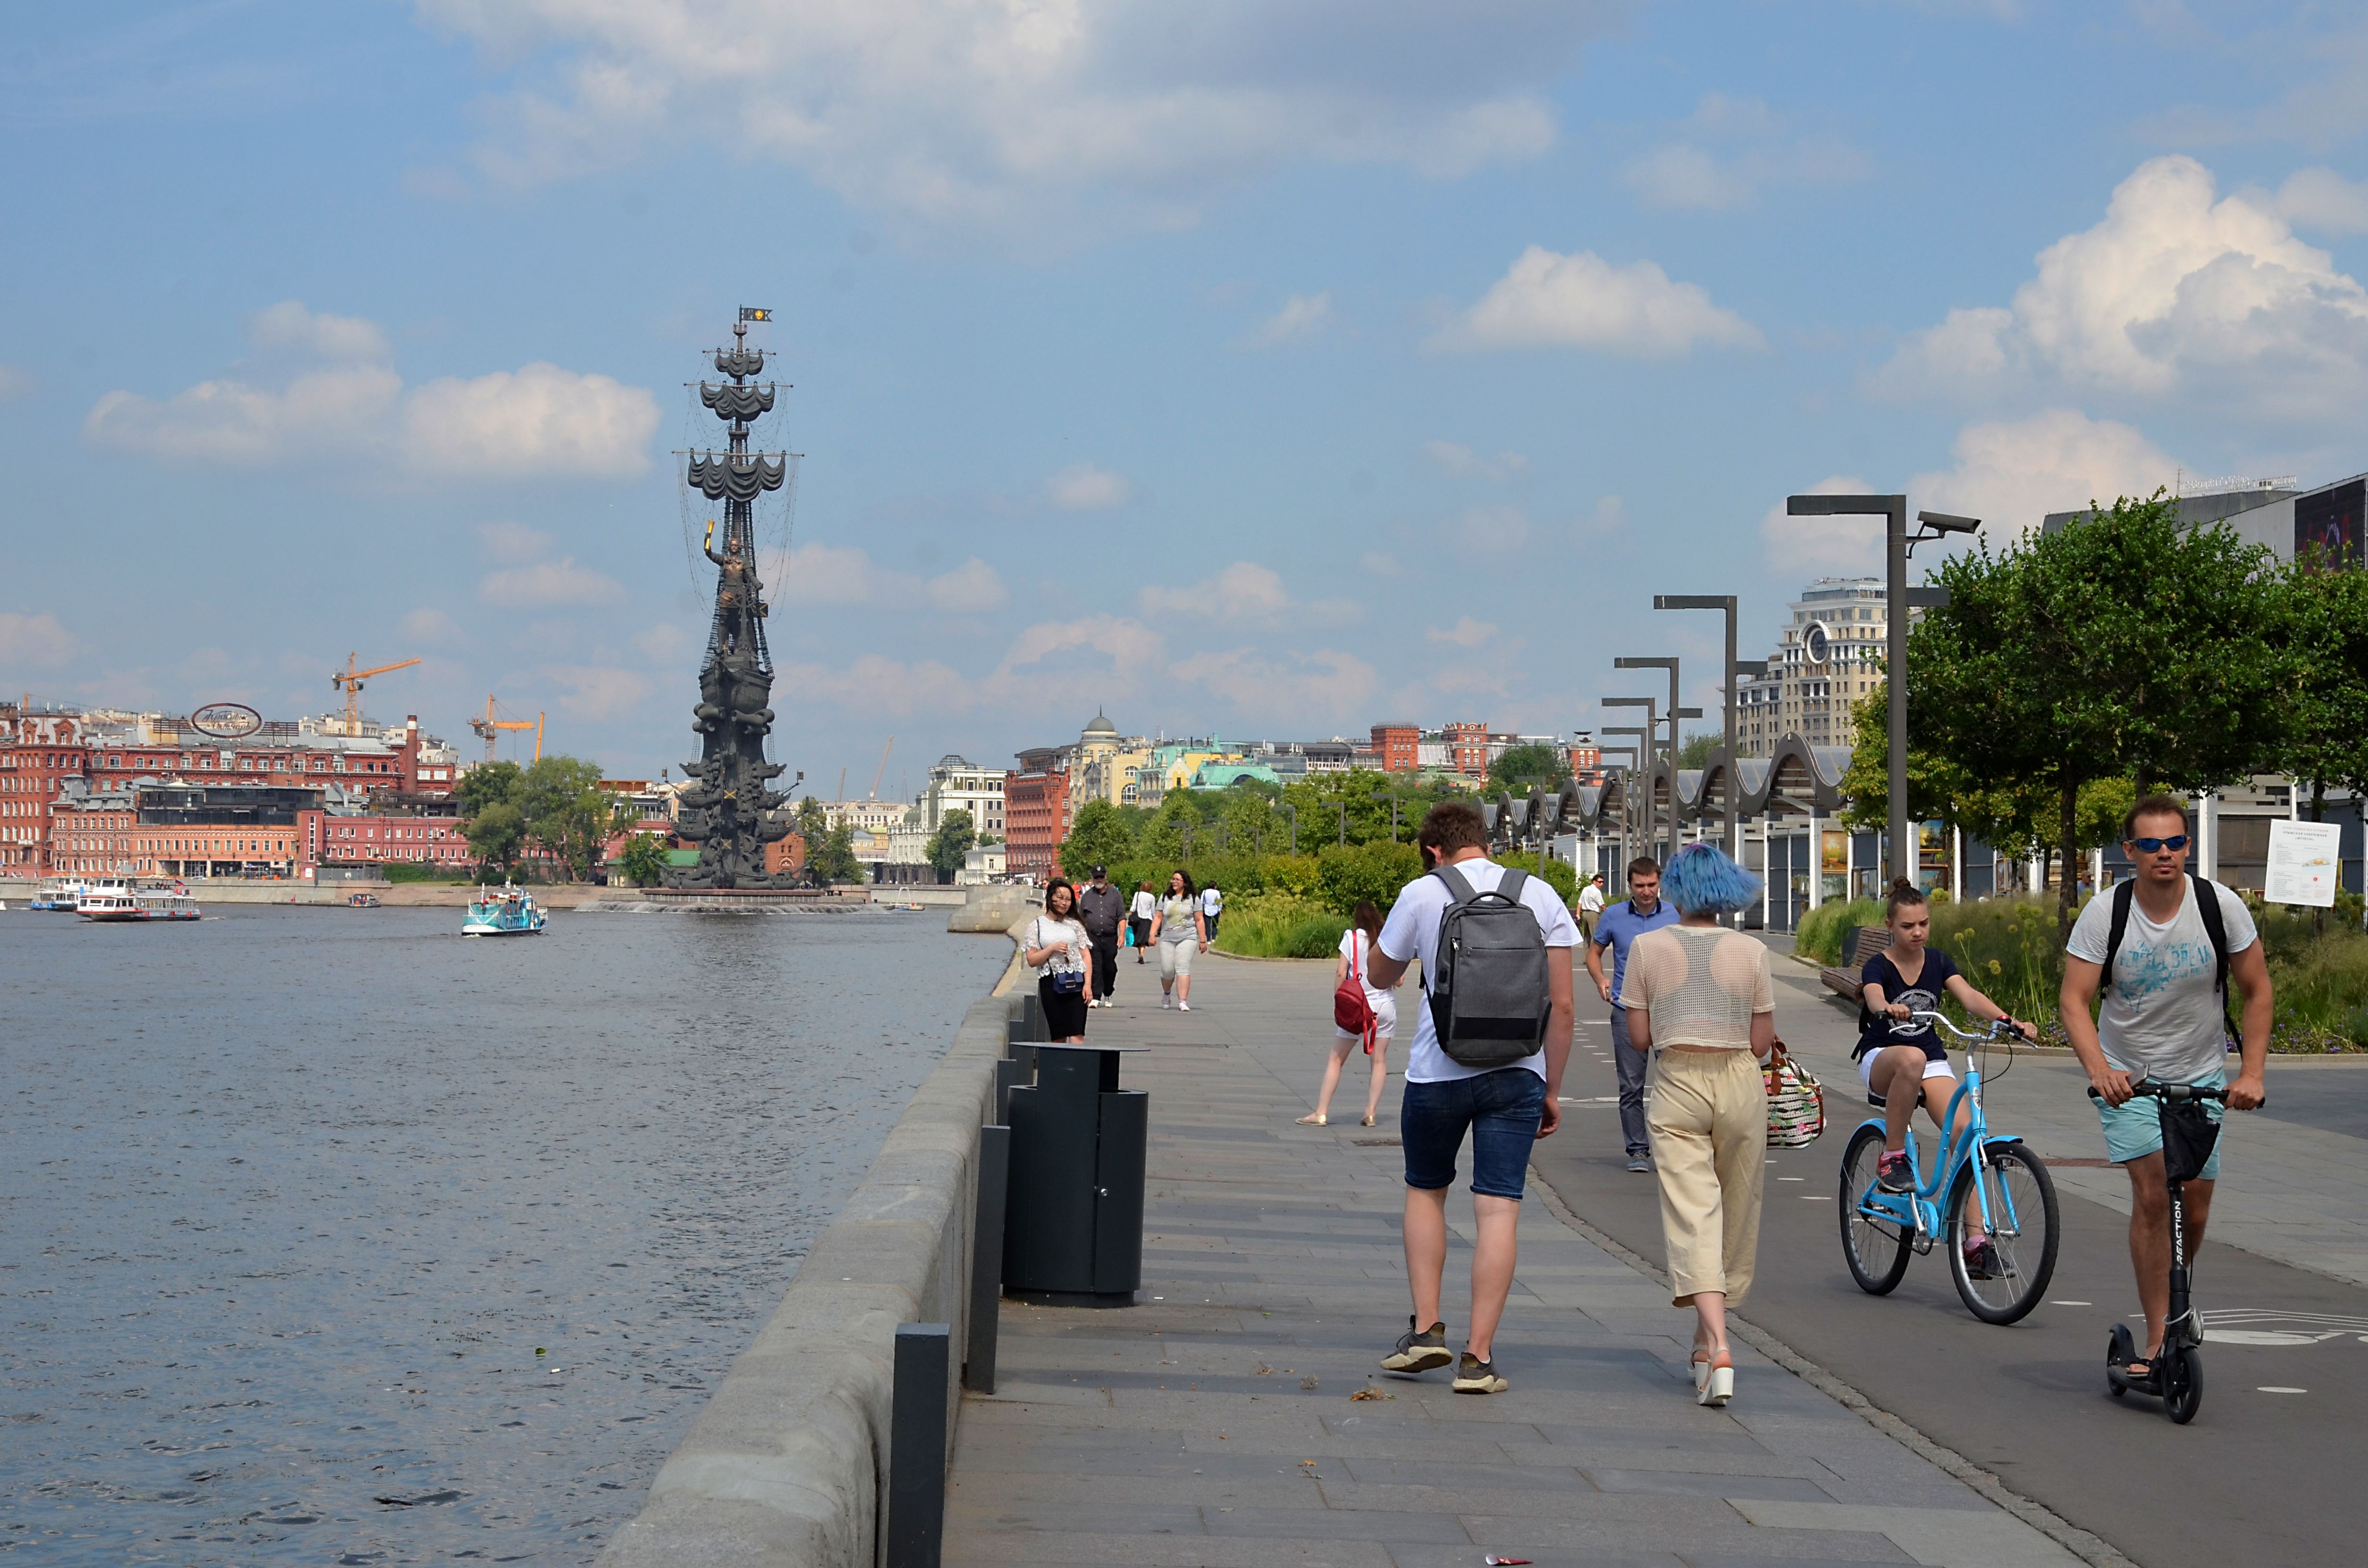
[(327, 1236)]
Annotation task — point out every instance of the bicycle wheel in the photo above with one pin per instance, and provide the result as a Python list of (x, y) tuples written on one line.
[(1876, 1250), (2183, 1384), (2024, 1221)]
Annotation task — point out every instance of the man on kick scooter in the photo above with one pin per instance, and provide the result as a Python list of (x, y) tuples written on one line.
[(2170, 958)]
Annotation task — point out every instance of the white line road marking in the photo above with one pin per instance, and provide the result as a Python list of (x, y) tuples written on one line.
[(2272, 1388)]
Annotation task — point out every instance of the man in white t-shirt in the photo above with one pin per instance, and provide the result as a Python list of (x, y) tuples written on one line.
[(1590, 904), (2165, 1019), (1213, 905), (1506, 1110)]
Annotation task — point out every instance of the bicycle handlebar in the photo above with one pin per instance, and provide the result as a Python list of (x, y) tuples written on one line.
[(1999, 1028)]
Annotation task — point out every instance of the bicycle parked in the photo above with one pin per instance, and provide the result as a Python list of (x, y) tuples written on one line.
[(2174, 1374), (1995, 1179)]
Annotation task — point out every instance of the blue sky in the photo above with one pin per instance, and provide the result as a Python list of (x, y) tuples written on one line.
[(1263, 367)]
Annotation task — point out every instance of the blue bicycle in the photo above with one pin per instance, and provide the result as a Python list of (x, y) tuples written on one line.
[(1995, 1181)]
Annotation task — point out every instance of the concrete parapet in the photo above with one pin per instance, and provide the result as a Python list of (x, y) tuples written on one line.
[(990, 910), (787, 1466)]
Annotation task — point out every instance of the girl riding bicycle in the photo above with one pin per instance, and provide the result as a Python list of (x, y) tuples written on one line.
[(1903, 1066)]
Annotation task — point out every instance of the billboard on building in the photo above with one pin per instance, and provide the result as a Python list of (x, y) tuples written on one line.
[(2326, 525)]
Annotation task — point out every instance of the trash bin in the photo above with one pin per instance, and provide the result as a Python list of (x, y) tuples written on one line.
[(1072, 1224)]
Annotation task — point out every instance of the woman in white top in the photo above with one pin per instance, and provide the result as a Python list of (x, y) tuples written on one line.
[(1703, 996), (1356, 957), (1180, 930), (1056, 947), (1140, 914)]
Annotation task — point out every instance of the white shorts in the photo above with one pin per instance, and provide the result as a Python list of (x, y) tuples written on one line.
[(1176, 957), (1940, 1069), (1386, 1024)]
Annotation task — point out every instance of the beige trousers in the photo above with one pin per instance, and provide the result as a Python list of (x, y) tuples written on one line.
[(1709, 1120)]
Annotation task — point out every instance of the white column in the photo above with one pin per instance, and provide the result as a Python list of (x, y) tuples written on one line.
[(2294, 799), (1849, 864), (1957, 865), (2207, 847), (2095, 871), (1767, 873), (2038, 881), (1817, 863)]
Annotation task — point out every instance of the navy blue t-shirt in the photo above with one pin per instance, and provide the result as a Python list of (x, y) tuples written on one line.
[(1876, 1032)]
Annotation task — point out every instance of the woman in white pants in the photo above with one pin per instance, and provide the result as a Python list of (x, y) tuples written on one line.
[(1178, 930), (1356, 957)]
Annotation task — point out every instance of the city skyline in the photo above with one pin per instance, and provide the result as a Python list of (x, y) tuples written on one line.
[(1229, 374)]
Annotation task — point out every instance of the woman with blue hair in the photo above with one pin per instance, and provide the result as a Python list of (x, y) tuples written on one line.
[(1703, 996)]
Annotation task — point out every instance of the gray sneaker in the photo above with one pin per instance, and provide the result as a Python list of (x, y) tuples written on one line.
[(1419, 1352), (1475, 1376), (1640, 1164)]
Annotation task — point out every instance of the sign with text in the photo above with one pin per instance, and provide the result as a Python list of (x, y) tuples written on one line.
[(226, 721), (2303, 863)]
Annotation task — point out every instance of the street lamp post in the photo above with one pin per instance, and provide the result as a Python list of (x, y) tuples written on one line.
[(1294, 811), (1641, 761), (1897, 545), (1629, 769), (1651, 738), (1393, 797), (1669, 664), (1719, 602)]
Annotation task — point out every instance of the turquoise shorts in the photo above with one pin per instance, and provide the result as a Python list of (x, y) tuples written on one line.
[(2134, 1130)]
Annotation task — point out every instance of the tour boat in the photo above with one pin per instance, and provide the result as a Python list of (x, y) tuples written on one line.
[(510, 911), (166, 903), (362, 901), (60, 896), (108, 904)]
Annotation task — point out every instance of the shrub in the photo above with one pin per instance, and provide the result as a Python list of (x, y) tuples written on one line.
[(1347, 874), (1823, 929), (418, 872), (2008, 949), (1279, 925)]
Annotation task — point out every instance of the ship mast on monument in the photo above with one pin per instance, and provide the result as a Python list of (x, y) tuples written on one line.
[(728, 809)]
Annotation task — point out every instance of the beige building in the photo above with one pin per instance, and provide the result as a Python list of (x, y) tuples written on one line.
[(1828, 657), (956, 784), (1110, 767)]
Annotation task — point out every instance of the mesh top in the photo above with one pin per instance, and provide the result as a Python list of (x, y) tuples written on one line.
[(1699, 985)]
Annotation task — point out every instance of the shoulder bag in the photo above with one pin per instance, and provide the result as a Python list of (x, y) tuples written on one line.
[(1796, 1101), (1352, 1010)]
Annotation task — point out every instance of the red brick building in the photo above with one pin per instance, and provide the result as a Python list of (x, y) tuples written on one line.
[(1467, 747), (324, 838), (1397, 747), (1036, 815)]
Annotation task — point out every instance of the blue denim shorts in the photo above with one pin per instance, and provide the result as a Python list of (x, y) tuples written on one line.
[(1501, 1108), (2134, 1129)]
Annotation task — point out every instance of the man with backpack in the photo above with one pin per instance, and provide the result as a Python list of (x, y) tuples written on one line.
[(1489, 1048), (2167, 943)]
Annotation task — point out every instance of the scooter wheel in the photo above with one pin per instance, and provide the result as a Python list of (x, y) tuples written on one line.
[(2120, 1349), (2182, 1385)]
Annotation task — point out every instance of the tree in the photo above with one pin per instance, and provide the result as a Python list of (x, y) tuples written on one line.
[(831, 861), (566, 811), (486, 783), (2326, 633), (2120, 646), (950, 845), (496, 832), (1098, 836), (1520, 767), (1700, 747), (643, 860)]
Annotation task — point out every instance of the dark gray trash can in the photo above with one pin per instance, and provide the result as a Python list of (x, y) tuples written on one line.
[(1073, 1225)]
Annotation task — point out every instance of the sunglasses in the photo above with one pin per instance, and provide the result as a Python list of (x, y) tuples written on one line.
[(2153, 845)]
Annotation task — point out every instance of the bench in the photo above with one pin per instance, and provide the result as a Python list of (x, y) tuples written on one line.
[(1864, 943)]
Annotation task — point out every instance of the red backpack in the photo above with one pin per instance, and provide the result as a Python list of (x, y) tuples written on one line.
[(1350, 1009)]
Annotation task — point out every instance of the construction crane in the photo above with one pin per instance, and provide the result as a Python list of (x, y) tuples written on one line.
[(350, 680), (492, 728), (882, 773)]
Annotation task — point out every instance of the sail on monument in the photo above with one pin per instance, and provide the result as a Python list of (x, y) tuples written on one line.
[(729, 809)]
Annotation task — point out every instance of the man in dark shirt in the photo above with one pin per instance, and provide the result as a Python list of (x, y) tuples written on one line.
[(1103, 909)]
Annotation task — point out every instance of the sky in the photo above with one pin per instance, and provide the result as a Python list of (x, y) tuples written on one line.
[(1255, 368)]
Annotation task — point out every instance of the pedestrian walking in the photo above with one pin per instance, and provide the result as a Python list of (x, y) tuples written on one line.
[(1056, 948), (1179, 931), (1101, 909), (1139, 917), (1356, 964), (1701, 993), (1590, 905), (1213, 905), (1618, 928), (1487, 1058)]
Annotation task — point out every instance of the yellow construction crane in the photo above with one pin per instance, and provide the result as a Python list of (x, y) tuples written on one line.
[(350, 680), (876, 777), (492, 728)]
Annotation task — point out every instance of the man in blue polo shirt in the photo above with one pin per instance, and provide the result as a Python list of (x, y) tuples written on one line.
[(1616, 928)]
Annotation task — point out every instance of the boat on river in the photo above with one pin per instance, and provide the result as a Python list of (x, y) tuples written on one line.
[(108, 905), (507, 912), (60, 896), (166, 904), (362, 901), (111, 901)]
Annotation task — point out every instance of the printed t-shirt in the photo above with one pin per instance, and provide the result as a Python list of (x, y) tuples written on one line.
[(1876, 1030), (1175, 923), (1412, 932), (1618, 926), (2162, 1016)]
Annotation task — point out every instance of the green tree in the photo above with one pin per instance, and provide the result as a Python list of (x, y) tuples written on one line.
[(643, 860), (2120, 646), (496, 832), (1098, 836), (1700, 747), (1520, 767), (566, 811), (831, 861), (2325, 634), (950, 845), (486, 783)]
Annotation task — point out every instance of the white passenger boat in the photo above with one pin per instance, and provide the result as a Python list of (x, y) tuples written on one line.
[(504, 912), (58, 895), (166, 904), (107, 899)]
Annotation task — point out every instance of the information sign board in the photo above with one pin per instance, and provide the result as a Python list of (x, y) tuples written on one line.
[(2303, 863)]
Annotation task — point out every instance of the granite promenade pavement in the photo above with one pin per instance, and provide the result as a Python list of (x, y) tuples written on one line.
[(1215, 1422)]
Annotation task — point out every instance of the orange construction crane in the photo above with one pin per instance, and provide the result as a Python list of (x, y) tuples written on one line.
[(492, 728), (350, 680)]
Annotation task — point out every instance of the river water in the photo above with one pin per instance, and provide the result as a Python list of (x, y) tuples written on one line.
[(328, 1237)]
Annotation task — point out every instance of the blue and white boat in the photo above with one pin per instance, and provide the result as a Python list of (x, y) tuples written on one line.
[(60, 896), (510, 912)]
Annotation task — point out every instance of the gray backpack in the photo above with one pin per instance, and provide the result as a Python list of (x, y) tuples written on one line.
[(1488, 997)]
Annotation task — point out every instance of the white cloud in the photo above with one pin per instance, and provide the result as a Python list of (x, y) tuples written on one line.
[(2172, 291), (1465, 463), (1491, 528), (1380, 563), (1550, 301), (1302, 316), (37, 640), (822, 574), (971, 588), (665, 643), (513, 542), (336, 398), (599, 692), (875, 684), (1082, 488), (1609, 516), (14, 382), (549, 583), (1244, 591), (434, 627), (1797, 548), (2323, 199), (2012, 473), (1465, 633), (1062, 663), (970, 113), (1731, 149), (1334, 683)]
